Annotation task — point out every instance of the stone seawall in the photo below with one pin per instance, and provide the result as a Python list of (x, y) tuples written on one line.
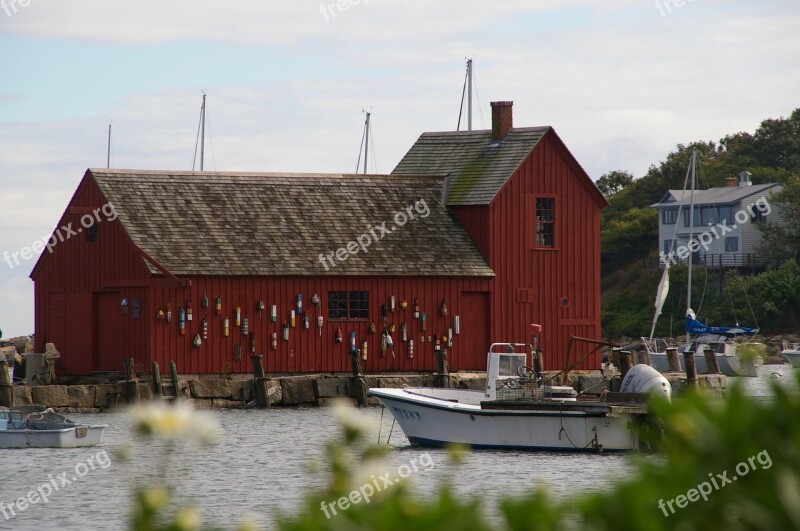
[(211, 391)]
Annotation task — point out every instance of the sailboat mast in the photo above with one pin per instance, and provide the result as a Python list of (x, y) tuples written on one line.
[(108, 149), (691, 233), (366, 141), (469, 95), (202, 131)]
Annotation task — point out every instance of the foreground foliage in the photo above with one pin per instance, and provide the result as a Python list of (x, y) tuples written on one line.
[(703, 444)]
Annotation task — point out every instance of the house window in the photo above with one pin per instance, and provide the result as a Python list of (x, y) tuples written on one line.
[(348, 305), (758, 215), (669, 246), (732, 244), (697, 219), (709, 215), (669, 216), (545, 221), (726, 214), (92, 233)]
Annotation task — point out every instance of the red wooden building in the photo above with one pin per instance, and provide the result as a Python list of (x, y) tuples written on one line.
[(474, 236)]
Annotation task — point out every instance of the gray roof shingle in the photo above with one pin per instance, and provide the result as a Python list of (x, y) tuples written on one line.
[(477, 165), (721, 195), (221, 223)]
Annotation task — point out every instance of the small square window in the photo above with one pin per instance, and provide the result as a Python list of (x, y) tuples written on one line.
[(92, 233), (732, 245)]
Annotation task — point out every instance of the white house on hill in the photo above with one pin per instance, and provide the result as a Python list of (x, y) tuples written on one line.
[(724, 231)]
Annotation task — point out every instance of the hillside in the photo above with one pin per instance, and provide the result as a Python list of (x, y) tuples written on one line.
[(630, 237)]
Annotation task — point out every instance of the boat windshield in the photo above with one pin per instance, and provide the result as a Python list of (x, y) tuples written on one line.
[(510, 364)]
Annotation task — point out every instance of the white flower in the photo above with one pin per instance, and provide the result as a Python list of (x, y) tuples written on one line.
[(179, 421)]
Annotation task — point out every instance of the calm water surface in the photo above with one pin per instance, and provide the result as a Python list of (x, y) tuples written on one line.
[(261, 466)]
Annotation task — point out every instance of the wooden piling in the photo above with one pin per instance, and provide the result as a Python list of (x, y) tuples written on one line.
[(625, 363), (6, 387), (691, 369), (131, 384), (615, 357), (173, 374), (259, 381), (359, 384), (442, 371), (712, 363), (158, 392), (672, 360)]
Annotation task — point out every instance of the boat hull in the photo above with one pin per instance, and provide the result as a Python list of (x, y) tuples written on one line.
[(728, 364), (68, 437), (793, 356), (433, 422)]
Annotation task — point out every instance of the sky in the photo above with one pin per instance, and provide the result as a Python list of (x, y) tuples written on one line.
[(288, 83)]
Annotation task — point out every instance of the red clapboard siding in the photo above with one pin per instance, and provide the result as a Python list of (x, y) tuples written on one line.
[(569, 272)]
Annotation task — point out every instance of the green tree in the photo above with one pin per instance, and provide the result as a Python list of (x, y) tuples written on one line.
[(614, 181), (782, 240)]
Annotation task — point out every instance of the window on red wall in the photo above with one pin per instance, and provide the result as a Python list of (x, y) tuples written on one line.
[(545, 222), (348, 305)]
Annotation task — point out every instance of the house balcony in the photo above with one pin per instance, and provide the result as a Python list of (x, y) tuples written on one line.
[(745, 262)]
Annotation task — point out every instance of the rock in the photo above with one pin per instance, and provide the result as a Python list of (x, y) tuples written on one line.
[(242, 390), (211, 388), (145, 391), (50, 395), (274, 391), (297, 391), (81, 396), (221, 403), (109, 396), (331, 387), (475, 382), (22, 395)]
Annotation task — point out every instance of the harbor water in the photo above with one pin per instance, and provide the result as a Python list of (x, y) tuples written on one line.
[(267, 461)]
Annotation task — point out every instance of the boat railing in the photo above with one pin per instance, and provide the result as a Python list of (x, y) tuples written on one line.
[(789, 345), (657, 344)]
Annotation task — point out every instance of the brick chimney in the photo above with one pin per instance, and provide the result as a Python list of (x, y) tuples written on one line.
[(731, 182), (501, 119)]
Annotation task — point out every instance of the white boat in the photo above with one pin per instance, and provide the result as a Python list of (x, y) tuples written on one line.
[(729, 359), (792, 352), (720, 339), (518, 410), (38, 427)]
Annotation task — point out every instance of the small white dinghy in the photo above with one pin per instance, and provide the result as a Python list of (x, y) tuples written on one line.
[(40, 427), (519, 410)]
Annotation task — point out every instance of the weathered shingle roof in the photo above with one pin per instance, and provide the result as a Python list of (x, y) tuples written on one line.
[(721, 195), (478, 166), (219, 223)]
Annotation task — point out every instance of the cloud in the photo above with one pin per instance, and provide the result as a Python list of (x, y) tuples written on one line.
[(621, 84)]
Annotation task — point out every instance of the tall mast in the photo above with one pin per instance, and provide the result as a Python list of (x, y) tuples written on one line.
[(469, 95), (203, 131), (691, 233), (108, 149), (366, 141)]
